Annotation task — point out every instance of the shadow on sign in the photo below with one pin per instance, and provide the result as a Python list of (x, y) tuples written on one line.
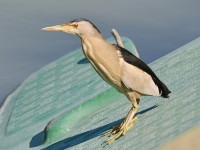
[(85, 136)]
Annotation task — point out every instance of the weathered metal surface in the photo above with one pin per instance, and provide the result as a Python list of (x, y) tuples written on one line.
[(49, 93), (71, 93)]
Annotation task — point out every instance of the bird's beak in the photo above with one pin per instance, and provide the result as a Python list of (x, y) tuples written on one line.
[(62, 27)]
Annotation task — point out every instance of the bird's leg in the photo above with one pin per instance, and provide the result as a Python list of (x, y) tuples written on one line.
[(123, 127)]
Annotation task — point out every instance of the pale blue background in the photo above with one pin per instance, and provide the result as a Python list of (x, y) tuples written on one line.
[(157, 27)]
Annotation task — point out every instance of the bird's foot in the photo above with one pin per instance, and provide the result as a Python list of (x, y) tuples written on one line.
[(119, 131)]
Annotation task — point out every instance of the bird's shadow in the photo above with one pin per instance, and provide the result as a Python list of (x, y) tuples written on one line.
[(83, 61), (79, 138)]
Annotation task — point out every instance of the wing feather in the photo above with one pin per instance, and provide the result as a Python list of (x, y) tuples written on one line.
[(139, 77), (138, 80)]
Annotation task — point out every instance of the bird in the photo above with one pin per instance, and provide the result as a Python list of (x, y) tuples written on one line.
[(117, 66)]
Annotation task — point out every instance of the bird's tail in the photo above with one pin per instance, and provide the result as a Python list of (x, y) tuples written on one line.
[(165, 91)]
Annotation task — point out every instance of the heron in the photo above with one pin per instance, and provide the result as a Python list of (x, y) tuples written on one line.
[(118, 67)]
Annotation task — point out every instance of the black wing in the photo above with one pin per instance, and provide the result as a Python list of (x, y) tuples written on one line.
[(133, 60)]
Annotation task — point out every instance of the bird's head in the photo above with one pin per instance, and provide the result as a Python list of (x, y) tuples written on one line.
[(80, 27)]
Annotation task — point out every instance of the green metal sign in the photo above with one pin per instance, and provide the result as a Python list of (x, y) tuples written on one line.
[(81, 106)]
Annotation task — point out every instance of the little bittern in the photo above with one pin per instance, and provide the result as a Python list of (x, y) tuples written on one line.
[(118, 67)]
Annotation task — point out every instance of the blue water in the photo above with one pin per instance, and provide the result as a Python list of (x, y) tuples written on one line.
[(156, 27)]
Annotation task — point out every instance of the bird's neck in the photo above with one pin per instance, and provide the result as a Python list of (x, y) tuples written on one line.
[(91, 35), (90, 44), (87, 44), (89, 41)]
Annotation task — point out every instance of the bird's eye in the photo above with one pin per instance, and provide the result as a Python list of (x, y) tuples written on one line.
[(75, 25)]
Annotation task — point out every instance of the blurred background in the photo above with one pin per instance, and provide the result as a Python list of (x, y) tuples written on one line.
[(157, 27)]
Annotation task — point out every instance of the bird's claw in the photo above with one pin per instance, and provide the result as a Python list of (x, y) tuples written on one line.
[(118, 131), (114, 137), (113, 130)]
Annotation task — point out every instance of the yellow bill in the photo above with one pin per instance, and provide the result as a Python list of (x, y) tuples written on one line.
[(62, 27)]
